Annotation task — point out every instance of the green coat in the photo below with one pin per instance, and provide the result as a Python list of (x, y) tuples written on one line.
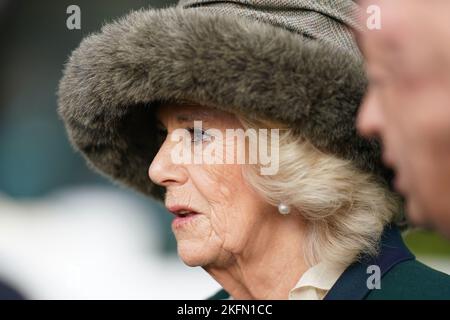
[(402, 276)]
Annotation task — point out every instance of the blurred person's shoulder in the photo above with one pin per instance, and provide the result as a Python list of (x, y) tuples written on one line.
[(412, 280), (220, 295), (9, 293)]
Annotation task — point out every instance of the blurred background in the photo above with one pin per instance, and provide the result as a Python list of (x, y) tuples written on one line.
[(65, 232)]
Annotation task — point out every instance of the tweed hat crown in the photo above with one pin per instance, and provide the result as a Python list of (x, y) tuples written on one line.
[(293, 61), (327, 20)]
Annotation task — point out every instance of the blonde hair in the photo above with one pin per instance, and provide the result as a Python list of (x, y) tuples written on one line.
[(345, 209)]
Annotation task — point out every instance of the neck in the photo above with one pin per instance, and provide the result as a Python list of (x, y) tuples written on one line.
[(271, 263)]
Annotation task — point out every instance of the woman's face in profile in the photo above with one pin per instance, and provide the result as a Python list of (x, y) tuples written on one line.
[(217, 214)]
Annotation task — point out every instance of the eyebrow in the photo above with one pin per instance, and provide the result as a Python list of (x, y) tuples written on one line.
[(193, 116), (190, 116)]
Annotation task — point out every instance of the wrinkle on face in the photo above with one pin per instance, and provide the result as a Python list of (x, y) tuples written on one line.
[(229, 207), (238, 237)]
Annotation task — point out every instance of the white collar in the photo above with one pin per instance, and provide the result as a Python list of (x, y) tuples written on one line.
[(315, 283)]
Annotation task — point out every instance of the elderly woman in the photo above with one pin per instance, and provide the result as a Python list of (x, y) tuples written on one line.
[(158, 99)]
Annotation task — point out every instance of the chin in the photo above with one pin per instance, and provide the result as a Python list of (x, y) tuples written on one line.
[(193, 256), (417, 215), (191, 262)]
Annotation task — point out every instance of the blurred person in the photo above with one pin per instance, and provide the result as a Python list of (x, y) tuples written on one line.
[(313, 228), (407, 104)]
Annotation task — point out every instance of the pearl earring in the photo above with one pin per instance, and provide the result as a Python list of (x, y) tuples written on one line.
[(283, 208)]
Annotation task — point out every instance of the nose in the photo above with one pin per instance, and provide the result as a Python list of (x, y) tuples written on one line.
[(369, 122), (163, 171)]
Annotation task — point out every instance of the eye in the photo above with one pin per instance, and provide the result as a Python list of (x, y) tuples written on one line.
[(198, 135)]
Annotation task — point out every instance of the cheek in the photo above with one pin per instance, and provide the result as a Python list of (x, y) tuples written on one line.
[(424, 149), (232, 204), (416, 122), (396, 105), (400, 141)]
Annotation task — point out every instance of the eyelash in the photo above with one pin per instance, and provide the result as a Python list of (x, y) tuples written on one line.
[(192, 131)]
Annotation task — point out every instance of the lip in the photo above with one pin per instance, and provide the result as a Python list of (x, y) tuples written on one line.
[(180, 220), (178, 207)]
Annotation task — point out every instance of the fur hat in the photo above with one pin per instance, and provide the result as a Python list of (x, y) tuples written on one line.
[(294, 61)]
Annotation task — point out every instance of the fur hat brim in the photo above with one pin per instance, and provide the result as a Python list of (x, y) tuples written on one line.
[(113, 81)]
